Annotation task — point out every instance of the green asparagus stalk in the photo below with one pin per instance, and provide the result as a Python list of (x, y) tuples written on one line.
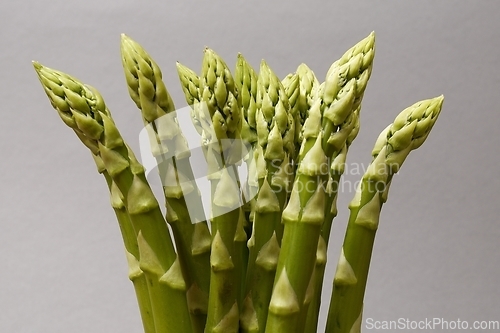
[(337, 166), (408, 132), (291, 83), (342, 94), (275, 133), (190, 83), (328, 125), (309, 89), (223, 151), (191, 233), (302, 217), (217, 159), (245, 80), (82, 108), (136, 275), (292, 90)]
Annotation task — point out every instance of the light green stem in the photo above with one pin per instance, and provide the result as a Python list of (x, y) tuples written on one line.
[(169, 146), (136, 275), (82, 108), (408, 132)]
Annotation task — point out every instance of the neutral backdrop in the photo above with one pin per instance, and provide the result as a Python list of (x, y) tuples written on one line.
[(436, 255)]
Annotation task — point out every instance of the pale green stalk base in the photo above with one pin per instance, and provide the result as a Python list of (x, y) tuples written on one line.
[(132, 251)]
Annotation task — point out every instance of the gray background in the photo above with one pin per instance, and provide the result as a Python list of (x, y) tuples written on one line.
[(436, 255)]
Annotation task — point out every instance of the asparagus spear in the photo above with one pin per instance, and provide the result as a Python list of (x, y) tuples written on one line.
[(408, 132), (329, 122), (136, 275), (302, 217), (337, 165), (82, 108), (189, 227), (245, 80), (308, 92), (292, 90), (190, 83), (218, 146), (342, 93), (275, 133), (223, 151)]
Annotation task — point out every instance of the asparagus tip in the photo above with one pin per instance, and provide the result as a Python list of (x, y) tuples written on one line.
[(126, 41), (37, 65)]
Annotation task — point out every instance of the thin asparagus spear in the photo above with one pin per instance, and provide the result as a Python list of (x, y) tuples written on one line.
[(308, 92), (190, 83), (191, 233), (216, 143), (291, 83), (82, 108), (342, 94), (408, 132), (245, 80), (136, 275), (223, 150), (292, 90), (275, 132)]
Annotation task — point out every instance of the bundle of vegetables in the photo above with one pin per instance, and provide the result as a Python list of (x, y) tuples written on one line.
[(257, 263)]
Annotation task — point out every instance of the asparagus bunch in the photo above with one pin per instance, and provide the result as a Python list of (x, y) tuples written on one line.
[(257, 264)]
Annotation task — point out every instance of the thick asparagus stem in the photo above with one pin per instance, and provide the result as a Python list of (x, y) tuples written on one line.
[(302, 217), (342, 94), (408, 132), (82, 108), (189, 227), (136, 275), (223, 149), (330, 120), (275, 133)]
